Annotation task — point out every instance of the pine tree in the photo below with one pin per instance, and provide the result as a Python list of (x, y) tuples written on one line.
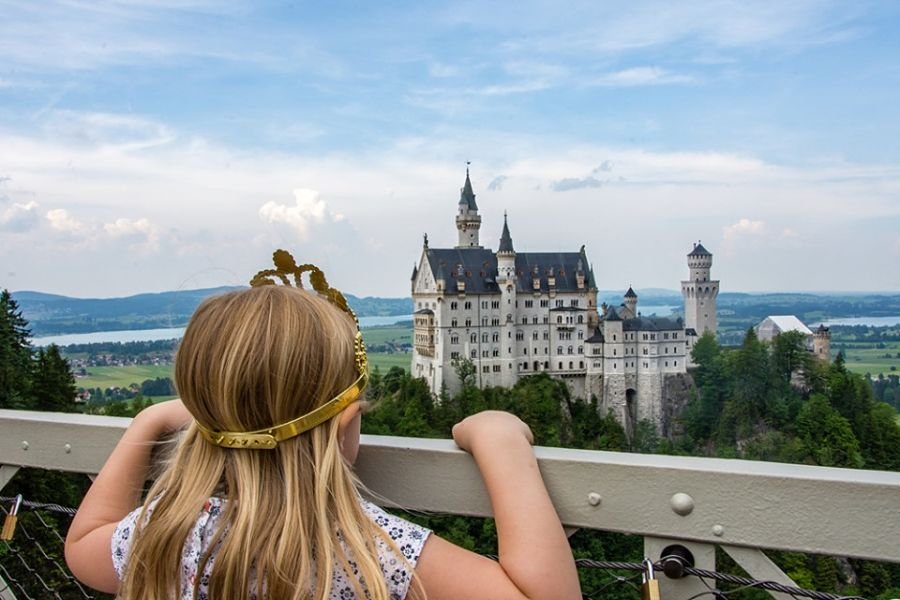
[(15, 355), (54, 385)]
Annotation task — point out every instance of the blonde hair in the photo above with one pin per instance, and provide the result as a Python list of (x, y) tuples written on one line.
[(252, 359)]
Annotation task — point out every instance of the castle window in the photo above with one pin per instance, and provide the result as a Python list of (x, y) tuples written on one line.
[(580, 319), (452, 322), (614, 365), (666, 336), (575, 302), (614, 352), (675, 336), (645, 337), (473, 354), (546, 319), (614, 337), (525, 350), (520, 336), (485, 353), (484, 337), (667, 349), (667, 363), (484, 321), (468, 322), (496, 368), (580, 364), (559, 319), (676, 363), (570, 350), (473, 338), (524, 320), (571, 365), (559, 303), (545, 303), (580, 349), (496, 303), (453, 356), (484, 304), (495, 322), (525, 366), (560, 365), (546, 364), (559, 349), (653, 336), (467, 305), (529, 303), (645, 351), (534, 320), (485, 369), (496, 352), (454, 305), (534, 335), (580, 335), (546, 335), (454, 339), (495, 336)]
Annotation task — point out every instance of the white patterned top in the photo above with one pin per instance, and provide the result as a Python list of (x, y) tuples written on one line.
[(408, 537)]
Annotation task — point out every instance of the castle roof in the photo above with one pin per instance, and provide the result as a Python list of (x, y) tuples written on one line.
[(477, 267), (596, 338), (415, 272), (699, 250), (611, 315), (630, 293), (466, 195), (506, 244), (652, 324)]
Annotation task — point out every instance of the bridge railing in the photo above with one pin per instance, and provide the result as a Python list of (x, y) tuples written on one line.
[(699, 503)]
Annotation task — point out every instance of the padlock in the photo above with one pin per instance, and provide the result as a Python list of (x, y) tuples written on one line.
[(650, 585), (9, 523)]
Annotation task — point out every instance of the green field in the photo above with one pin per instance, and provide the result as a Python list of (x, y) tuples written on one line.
[(122, 377), (389, 333), (385, 361), (864, 358)]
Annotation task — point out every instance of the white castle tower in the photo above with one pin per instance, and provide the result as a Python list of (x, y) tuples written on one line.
[(700, 292), (507, 282), (468, 221)]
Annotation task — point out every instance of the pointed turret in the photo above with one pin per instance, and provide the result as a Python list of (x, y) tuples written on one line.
[(466, 195), (468, 221), (506, 244), (630, 305)]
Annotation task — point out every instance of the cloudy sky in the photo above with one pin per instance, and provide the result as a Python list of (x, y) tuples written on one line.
[(160, 145)]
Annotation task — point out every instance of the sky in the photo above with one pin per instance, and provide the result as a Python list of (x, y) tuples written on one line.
[(150, 146)]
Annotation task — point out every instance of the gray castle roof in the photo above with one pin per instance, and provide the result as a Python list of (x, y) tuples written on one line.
[(506, 244), (698, 250), (630, 293), (466, 195), (652, 324), (596, 338), (479, 269)]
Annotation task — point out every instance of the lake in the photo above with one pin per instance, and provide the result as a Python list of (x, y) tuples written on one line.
[(168, 333), (870, 321)]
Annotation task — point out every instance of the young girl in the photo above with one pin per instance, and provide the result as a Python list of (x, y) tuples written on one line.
[(260, 500)]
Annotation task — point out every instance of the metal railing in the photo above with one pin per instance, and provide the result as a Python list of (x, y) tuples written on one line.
[(699, 503)]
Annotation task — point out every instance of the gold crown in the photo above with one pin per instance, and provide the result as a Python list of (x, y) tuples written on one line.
[(266, 439)]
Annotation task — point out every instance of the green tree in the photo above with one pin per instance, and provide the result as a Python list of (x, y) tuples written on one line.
[(54, 386), (827, 436), (15, 355)]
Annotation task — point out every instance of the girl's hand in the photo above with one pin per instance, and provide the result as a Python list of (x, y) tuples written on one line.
[(165, 417), (490, 425)]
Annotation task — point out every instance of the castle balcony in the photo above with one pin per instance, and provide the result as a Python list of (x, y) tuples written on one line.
[(698, 504)]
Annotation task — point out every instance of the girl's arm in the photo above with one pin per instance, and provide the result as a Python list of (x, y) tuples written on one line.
[(115, 492), (535, 558)]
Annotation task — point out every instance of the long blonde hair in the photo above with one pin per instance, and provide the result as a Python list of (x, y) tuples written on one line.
[(252, 359)]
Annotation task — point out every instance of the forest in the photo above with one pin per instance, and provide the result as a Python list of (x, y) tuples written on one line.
[(757, 401)]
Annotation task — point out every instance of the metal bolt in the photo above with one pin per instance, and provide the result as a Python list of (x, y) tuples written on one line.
[(24, 445), (68, 448), (682, 504), (594, 499), (718, 530)]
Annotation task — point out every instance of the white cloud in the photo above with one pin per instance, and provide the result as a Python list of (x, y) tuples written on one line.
[(307, 211), (638, 76), (744, 227), (20, 217), (144, 233), (61, 220)]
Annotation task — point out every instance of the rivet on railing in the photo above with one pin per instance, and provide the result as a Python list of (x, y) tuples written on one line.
[(24, 445), (682, 504), (68, 448), (718, 530), (594, 499)]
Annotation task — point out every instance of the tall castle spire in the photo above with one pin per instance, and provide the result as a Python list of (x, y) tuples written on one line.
[(506, 245), (468, 221)]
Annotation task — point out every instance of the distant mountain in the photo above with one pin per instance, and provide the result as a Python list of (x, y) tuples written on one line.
[(50, 314)]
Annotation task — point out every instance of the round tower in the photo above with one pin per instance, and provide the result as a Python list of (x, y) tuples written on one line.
[(700, 292), (822, 343), (468, 221)]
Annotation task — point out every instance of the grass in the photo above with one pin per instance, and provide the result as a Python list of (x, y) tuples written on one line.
[(385, 361), (865, 358), (388, 333), (122, 377)]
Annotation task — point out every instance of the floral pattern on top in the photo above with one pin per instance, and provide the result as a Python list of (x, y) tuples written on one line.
[(408, 537)]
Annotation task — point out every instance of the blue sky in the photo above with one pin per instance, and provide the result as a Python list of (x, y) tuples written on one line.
[(162, 145)]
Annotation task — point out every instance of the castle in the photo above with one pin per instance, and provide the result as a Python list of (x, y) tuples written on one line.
[(514, 314)]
